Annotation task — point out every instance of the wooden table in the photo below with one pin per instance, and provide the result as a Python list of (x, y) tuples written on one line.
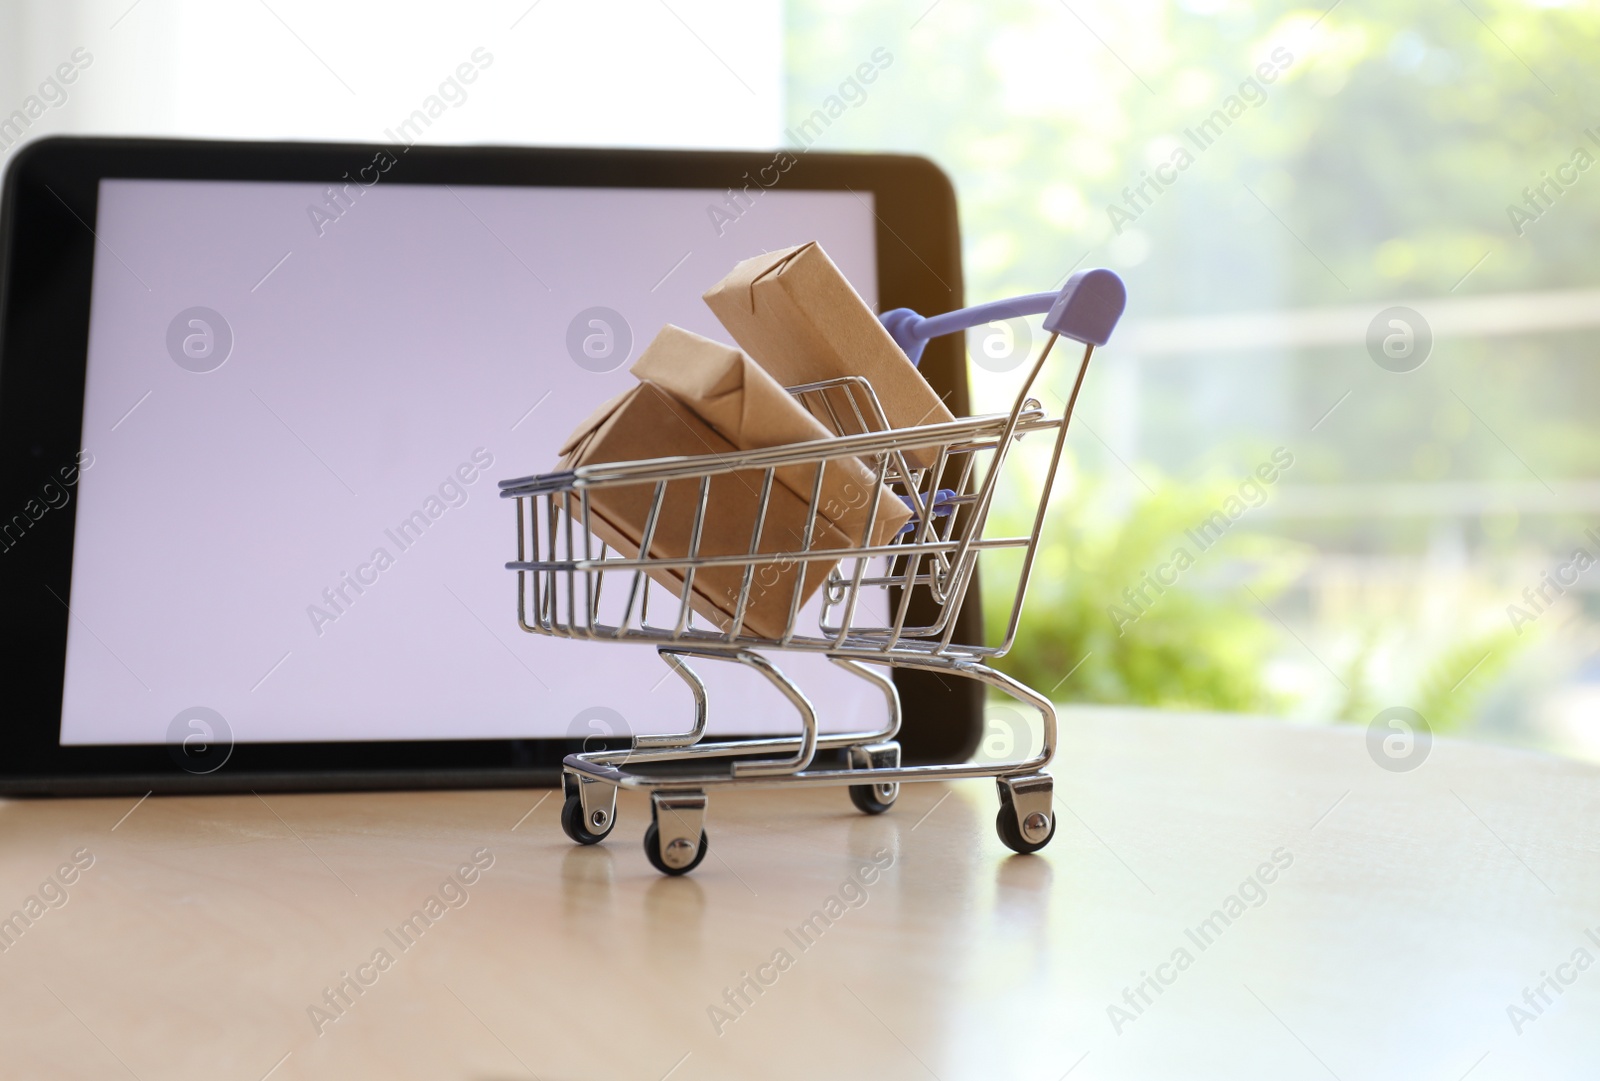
[(1405, 913)]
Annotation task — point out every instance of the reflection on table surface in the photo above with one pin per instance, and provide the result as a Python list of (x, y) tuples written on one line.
[(1224, 897)]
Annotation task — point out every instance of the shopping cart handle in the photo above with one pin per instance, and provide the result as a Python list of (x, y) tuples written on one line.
[(1086, 310)]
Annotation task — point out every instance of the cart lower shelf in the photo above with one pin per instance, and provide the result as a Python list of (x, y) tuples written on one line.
[(677, 770), (676, 842)]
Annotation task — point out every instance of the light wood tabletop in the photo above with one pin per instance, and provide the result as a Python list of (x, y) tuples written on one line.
[(1224, 897)]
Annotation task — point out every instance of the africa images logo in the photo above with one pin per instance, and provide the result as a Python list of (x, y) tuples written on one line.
[(1250, 94)]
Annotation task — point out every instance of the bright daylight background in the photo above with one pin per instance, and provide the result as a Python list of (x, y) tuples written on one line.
[(1376, 170)]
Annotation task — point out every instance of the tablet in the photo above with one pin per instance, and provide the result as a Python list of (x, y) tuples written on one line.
[(254, 402)]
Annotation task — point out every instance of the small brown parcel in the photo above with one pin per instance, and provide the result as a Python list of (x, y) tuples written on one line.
[(699, 397), (798, 317)]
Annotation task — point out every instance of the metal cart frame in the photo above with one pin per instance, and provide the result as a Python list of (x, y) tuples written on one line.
[(562, 567)]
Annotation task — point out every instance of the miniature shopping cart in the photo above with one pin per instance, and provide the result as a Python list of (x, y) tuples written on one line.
[(572, 585)]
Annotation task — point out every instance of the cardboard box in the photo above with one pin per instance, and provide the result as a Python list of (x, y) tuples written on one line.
[(748, 408), (798, 317), (647, 422)]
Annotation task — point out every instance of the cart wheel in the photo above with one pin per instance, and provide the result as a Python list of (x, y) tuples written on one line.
[(576, 828), (652, 851), (869, 798), (1005, 825)]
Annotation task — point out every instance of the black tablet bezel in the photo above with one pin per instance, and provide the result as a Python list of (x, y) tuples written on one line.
[(47, 218)]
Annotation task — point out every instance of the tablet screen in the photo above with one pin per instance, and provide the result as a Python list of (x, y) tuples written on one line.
[(299, 400)]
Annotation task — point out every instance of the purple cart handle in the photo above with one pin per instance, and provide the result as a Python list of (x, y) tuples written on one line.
[(1086, 310)]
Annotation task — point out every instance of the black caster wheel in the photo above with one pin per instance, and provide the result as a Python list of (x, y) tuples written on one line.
[(576, 828), (652, 851), (1005, 824), (867, 801)]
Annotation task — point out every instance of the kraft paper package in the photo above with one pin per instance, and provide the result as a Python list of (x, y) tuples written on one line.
[(749, 409), (800, 319), (664, 419)]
